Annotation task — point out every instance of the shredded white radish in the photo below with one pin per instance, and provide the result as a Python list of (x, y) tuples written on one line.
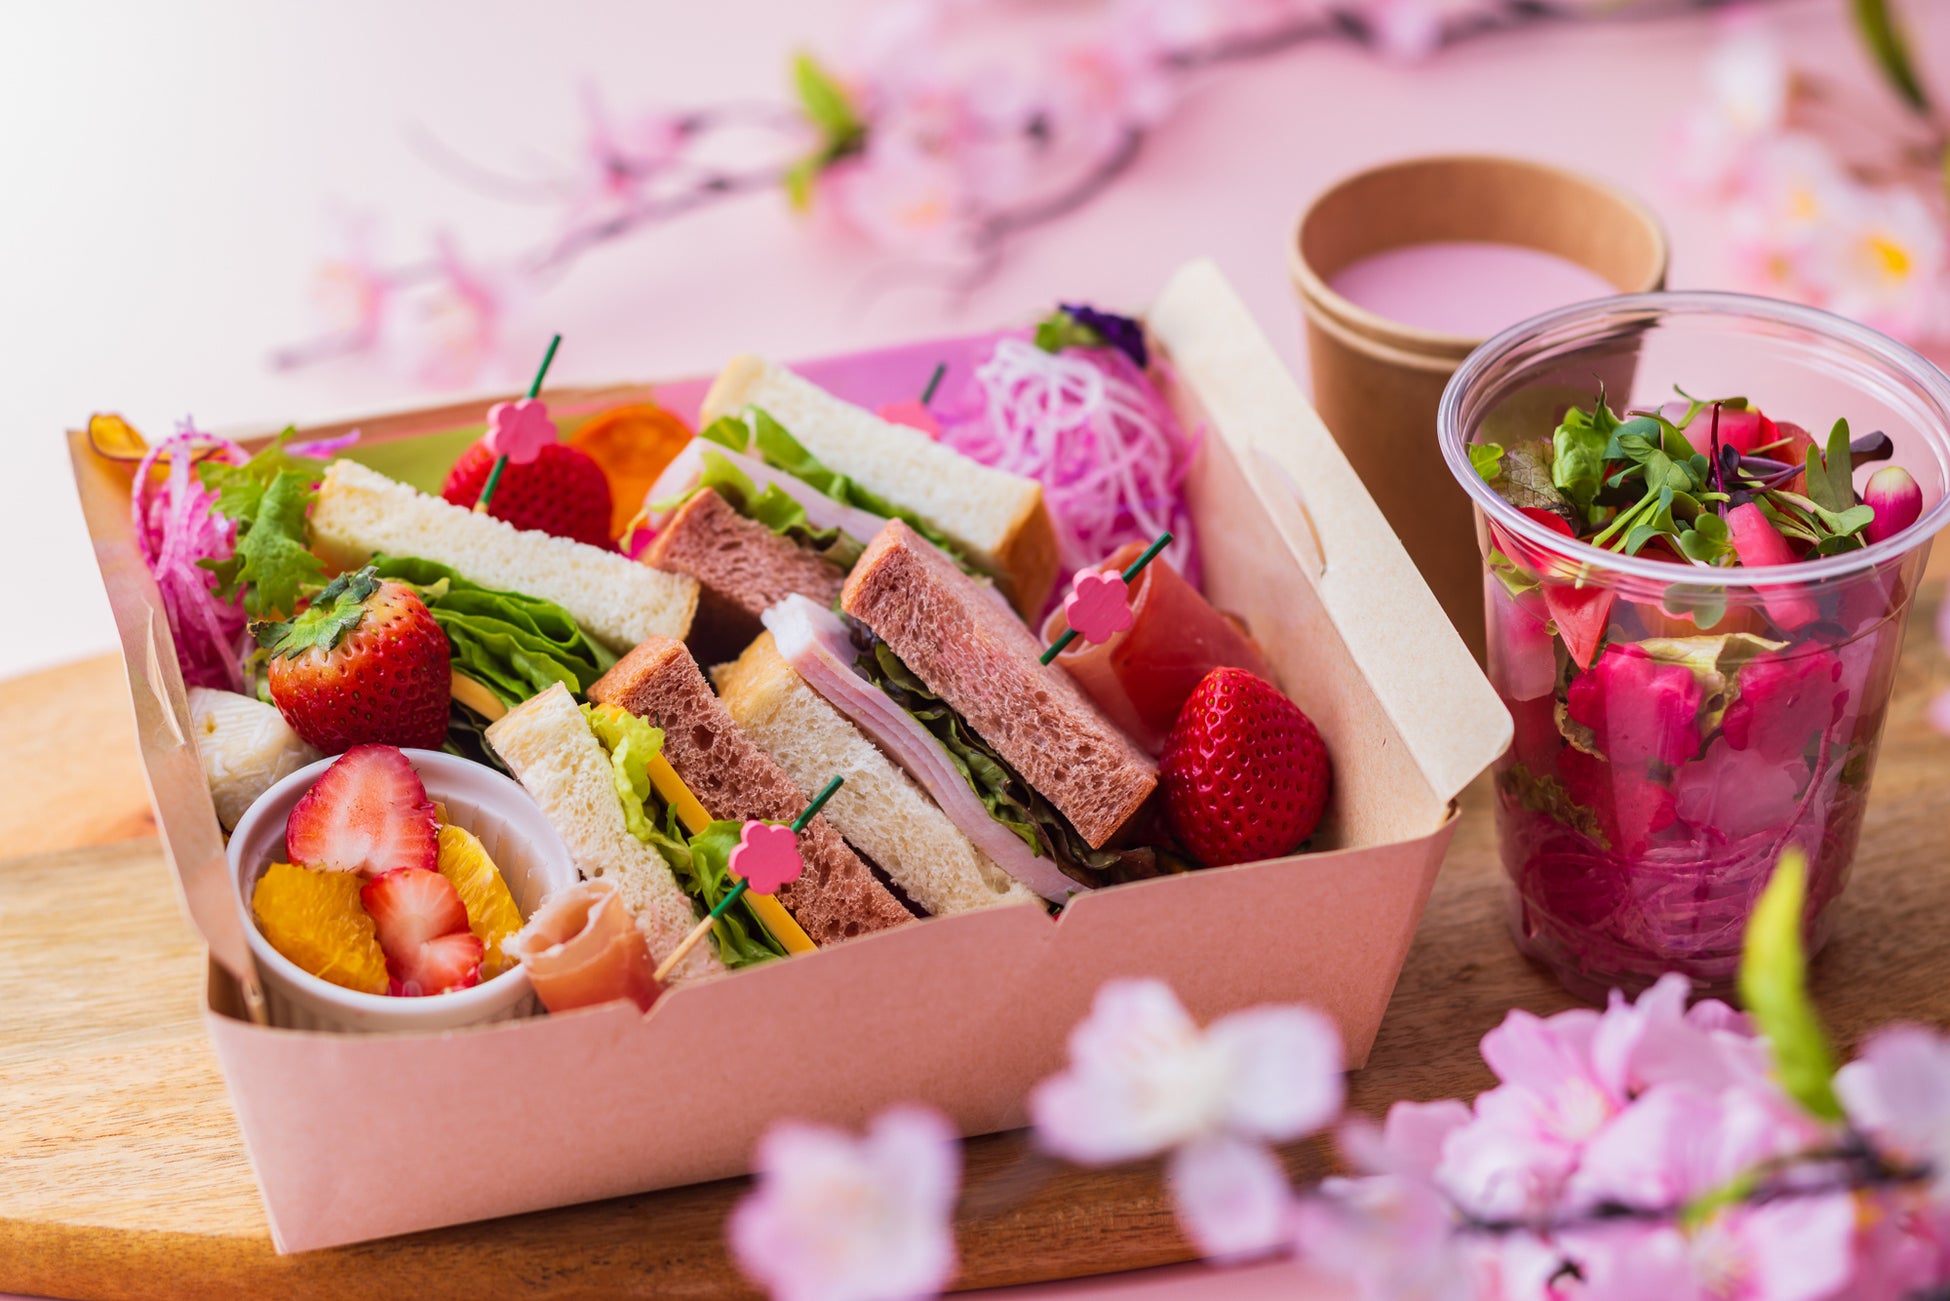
[(1088, 425)]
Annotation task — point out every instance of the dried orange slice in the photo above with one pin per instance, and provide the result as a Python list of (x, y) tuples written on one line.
[(491, 911), (632, 444), (313, 917)]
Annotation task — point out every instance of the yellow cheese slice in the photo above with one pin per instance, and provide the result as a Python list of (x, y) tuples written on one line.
[(692, 814), (476, 697)]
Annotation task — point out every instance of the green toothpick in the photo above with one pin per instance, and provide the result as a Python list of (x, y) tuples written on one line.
[(934, 382), (1058, 646), (501, 462)]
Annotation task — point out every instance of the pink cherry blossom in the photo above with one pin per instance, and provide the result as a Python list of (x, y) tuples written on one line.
[(767, 856), (447, 330), (1567, 1077), (1144, 1078), (913, 413), (835, 1218), (1795, 1249), (1898, 1093), (1747, 99), (1881, 259)]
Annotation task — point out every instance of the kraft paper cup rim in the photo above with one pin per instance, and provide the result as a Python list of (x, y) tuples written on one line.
[(443, 774), (1638, 311), (1324, 305)]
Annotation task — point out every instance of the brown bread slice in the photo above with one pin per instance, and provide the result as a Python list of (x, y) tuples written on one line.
[(962, 641), (838, 897), (742, 569)]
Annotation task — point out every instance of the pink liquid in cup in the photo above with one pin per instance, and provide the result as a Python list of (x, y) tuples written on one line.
[(1467, 288)]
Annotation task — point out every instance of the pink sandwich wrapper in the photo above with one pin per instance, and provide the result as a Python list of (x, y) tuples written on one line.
[(965, 1012)]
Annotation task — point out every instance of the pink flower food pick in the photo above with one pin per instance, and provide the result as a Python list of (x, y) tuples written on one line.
[(913, 413), (519, 430), (1099, 606), (767, 856), (835, 1218)]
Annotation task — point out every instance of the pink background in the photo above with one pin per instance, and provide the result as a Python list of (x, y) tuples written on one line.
[(169, 170)]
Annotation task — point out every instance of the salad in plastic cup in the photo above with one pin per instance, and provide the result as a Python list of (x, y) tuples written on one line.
[(1703, 517)]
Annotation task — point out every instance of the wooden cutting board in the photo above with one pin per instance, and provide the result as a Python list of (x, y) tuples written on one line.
[(122, 1174)]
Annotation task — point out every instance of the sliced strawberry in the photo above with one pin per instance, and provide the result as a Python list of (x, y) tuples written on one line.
[(444, 963), (422, 928), (368, 813)]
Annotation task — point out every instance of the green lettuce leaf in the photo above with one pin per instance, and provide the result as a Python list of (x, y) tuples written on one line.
[(268, 497), (1578, 453), (701, 863), (756, 433), (515, 645), (1009, 799), (776, 510)]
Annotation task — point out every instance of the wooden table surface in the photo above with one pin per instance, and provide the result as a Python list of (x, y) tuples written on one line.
[(122, 1174)]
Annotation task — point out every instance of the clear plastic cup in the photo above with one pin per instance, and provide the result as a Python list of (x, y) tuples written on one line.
[(1678, 725)]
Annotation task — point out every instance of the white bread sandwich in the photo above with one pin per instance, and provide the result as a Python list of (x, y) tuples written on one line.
[(879, 810), (547, 743), (850, 469), (360, 513), (942, 677), (838, 897)]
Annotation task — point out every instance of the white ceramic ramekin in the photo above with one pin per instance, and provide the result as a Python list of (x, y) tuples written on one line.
[(507, 822)]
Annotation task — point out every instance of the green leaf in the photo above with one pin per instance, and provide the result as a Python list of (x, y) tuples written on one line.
[(240, 488), (825, 104), (1839, 463), (841, 129), (339, 609), (515, 645), (1525, 482), (776, 509), (1774, 987), (1890, 49), (272, 565), (1578, 453), (1515, 581), (1486, 459), (1060, 330)]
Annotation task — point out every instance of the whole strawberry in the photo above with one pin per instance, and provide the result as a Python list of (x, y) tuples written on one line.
[(1244, 772), (562, 491), (364, 664)]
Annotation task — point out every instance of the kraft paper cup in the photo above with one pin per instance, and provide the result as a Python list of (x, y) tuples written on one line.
[(509, 825), (1377, 382)]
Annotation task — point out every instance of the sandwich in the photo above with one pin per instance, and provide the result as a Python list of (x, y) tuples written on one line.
[(742, 568), (939, 673), (880, 810), (600, 779), (838, 897), (360, 513), (823, 476)]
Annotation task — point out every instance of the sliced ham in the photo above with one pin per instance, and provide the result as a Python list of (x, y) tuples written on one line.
[(582, 948), (815, 643), (1143, 675), (684, 470)]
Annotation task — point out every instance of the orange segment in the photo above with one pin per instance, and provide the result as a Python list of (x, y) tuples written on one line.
[(491, 911), (314, 918), (632, 444)]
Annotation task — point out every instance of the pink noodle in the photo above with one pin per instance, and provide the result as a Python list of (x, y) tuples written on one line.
[(176, 525), (1091, 428)]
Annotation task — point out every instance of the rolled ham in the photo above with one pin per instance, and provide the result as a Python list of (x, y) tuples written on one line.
[(582, 948), (1143, 675), (815, 643), (684, 470)]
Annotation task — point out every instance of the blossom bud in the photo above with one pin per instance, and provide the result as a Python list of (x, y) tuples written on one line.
[(1893, 495)]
